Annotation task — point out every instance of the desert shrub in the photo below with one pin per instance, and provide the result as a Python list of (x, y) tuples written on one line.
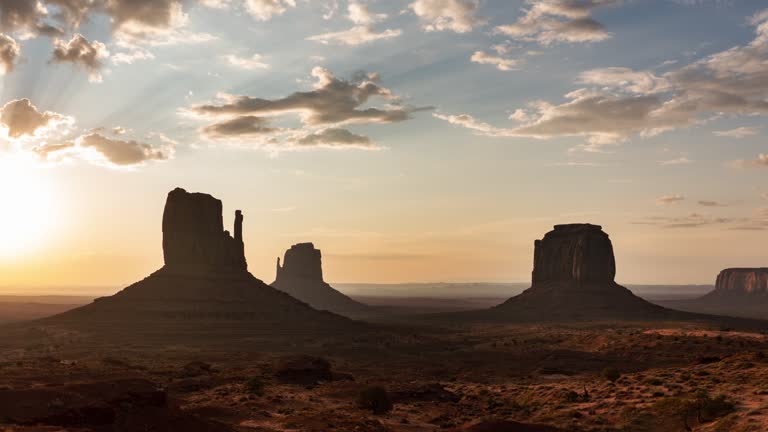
[(708, 408), (682, 409), (611, 374), (654, 381), (571, 396), (254, 385), (376, 399)]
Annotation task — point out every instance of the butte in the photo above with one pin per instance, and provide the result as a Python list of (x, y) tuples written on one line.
[(204, 291)]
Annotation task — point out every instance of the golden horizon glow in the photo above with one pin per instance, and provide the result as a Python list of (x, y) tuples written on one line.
[(26, 219)]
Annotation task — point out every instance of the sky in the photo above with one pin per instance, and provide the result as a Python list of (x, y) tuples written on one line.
[(410, 140)]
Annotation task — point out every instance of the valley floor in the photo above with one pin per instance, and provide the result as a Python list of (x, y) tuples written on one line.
[(581, 377)]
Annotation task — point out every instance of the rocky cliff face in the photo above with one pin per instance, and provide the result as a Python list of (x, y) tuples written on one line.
[(194, 239), (742, 281), (301, 261), (574, 253), (573, 280)]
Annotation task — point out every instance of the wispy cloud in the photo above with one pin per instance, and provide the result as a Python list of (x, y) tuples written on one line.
[(741, 132), (669, 199)]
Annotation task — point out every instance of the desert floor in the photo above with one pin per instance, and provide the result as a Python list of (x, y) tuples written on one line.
[(580, 377)]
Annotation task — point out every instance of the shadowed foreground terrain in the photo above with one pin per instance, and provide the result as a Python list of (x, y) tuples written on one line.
[(587, 377)]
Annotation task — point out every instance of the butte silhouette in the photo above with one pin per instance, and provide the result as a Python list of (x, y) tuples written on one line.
[(573, 280), (301, 276), (738, 292), (204, 288)]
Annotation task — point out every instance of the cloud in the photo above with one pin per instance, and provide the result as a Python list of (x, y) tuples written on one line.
[(10, 51), (601, 118), (740, 132), (355, 36), (693, 220), (265, 10), (760, 162), (547, 22), (215, 4), (669, 199), (706, 203), (49, 151), (123, 153), (140, 24), (21, 15), (335, 138), (243, 126), (459, 16), (96, 148), (639, 82), (359, 14), (331, 103), (80, 52), (469, 122), (145, 17), (362, 32), (629, 103), (21, 118), (501, 63), (679, 161), (249, 63)]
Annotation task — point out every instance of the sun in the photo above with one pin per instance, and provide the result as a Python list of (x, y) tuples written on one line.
[(26, 207)]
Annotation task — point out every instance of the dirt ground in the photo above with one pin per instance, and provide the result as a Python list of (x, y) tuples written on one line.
[(581, 377)]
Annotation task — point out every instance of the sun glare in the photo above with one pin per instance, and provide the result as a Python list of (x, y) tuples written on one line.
[(26, 207)]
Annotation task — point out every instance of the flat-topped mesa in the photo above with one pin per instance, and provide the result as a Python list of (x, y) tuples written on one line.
[(580, 253), (742, 281), (194, 239), (303, 261)]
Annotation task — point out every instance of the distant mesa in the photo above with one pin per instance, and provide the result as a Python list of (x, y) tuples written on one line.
[(301, 276), (204, 288), (573, 279), (751, 282), (301, 261), (741, 292)]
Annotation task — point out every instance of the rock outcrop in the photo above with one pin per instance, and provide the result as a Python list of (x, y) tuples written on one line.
[(742, 282), (573, 279), (301, 276), (194, 239), (574, 253), (302, 260), (739, 292), (204, 292)]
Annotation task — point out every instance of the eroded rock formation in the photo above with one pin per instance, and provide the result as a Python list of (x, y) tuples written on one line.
[(573, 279), (739, 292), (302, 260), (575, 252), (204, 293), (742, 281), (194, 239), (301, 276)]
